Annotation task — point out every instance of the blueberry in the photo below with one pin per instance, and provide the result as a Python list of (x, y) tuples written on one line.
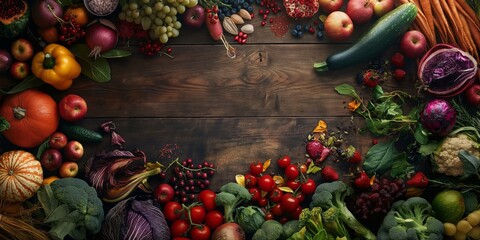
[(300, 34), (320, 26), (224, 9), (227, 13), (246, 5), (298, 27), (306, 27), (241, 1), (319, 34), (235, 2), (250, 8), (221, 16), (251, 1), (294, 32), (238, 7), (234, 10), (258, 1)]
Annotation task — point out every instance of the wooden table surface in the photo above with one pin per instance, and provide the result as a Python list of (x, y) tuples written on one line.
[(259, 105)]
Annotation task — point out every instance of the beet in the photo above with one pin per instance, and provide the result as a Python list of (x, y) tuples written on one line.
[(438, 117)]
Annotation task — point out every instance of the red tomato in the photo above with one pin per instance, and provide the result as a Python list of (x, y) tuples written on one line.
[(275, 195), (256, 168), (283, 219), (262, 202), (214, 219), (201, 232), (303, 168), (300, 196), (197, 214), (291, 171), (172, 211), (289, 202), (277, 210), (250, 180), (179, 227), (180, 238), (308, 187), (164, 193), (284, 161), (293, 184), (266, 183), (296, 213), (269, 216), (255, 192), (207, 197)]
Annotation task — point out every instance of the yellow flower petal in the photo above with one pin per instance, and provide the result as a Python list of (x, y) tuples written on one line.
[(321, 127), (353, 105), (286, 189), (266, 164), (278, 180), (240, 179)]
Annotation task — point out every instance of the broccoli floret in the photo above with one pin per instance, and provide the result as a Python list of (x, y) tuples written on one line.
[(83, 213), (415, 216), (231, 195), (290, 227), (260, 234), (270, 230), (333, 224), (333, 194), (397, 233)]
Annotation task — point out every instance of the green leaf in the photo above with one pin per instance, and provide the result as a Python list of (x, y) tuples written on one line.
[(96, 69), (420, 134), (116, 53), (377, 92), (471, 164), (29, 82), (429, 148), (58, 213), (345, 89), (312, 168), (47, 199), (401, 167), (4, 124), (380, 157), (64, 3), (42, 148)]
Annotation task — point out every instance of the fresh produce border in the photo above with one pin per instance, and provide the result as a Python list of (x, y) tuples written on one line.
[(419, 179)]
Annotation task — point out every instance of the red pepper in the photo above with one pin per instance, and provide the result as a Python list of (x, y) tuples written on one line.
[(419, 180)]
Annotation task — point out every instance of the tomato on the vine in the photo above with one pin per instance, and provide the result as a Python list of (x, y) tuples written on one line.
[(201, 232), (295, 214), (172, 211), (300, 196), (289, 202), (214, 219), (275, 195), (256, 168), (180, 238), (269, 216), (284, 161), (277, 210), (303, 168), (197, 214), (262, 202), (179, 227), (266, 183), (283, 219), (207, 197), (256, 194), (293, 184), (250, 180), (291, 171), (308, 187)]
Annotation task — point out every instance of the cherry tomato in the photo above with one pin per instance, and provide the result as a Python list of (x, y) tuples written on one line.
[(256, 168), (197, 214), (180, 238), (283, 219), (291, 171), (250, 180), (277, 210), (296, 213), (164, 193), (201, 232), (308, 187), (179, 227), (300, 196), (289, 202), (303, 168), (293, 184), (255, 192), (284, 161), (172, 211), (269, 216), (275, 195), (262, 202), (214, 219), (266, 183), (207, 197)]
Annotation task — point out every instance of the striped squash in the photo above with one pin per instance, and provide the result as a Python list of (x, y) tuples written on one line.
[(20, 175)]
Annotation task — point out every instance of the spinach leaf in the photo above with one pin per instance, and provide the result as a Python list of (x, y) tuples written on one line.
[(429, 148), (420, 135), (401, 167), (380, 157), (345, 89), (96, 69)]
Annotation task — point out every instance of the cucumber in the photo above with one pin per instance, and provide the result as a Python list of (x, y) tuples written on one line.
[(79, 133), (381, 35)]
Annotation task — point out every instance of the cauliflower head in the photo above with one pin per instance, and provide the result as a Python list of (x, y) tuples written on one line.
[(446, 159)]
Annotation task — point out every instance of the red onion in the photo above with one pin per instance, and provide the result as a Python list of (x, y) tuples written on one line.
[(101, 36)]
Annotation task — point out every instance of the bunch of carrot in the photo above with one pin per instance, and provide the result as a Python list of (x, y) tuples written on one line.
[(448, 21)]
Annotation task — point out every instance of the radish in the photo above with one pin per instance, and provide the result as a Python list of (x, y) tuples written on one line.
[(216, 31)]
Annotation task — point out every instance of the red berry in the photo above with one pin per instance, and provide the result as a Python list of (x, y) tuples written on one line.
[(329, 174), (399, 74), (398, 60), (356, 158), (370, 78), (362, 181)]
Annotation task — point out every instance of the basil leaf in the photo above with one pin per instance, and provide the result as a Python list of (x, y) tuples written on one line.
[(401, 167), (377, 92), (380, 157), (345, 89), (420, 135), (29, 82), (471, 164), (429, 148), (116, 53), (96, 69)]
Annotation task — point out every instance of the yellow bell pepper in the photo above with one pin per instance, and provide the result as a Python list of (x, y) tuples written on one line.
[(56, 66)]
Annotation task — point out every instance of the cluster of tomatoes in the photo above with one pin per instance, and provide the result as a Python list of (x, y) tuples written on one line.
[(196, 221), (282, 197)]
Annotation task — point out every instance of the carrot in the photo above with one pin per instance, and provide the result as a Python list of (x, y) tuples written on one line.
[(471, 48), (467, 16), (475, 35), (442, 21), (427, 11), (454, 23), (464, 5), (424, 28)]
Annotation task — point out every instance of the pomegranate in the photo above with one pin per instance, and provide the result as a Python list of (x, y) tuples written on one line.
[(438, 117), (301, 8), (13, 18)]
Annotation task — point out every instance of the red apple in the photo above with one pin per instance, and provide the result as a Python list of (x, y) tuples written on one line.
[(338, 26), (19, 70), (73, 151), (5, 60), (194, 16), (360, 11), (51, 159), (381, 7), (22, 50), (413, 44), (57, 140), (472, 94), (329, 6), (68, 169), (72, 108), (164, 193)]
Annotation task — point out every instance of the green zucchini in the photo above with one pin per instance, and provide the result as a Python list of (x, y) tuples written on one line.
[(79, 133), (381, 35)]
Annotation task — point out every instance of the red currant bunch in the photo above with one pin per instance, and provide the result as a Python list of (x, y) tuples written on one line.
[(70, 31), (212, 14)]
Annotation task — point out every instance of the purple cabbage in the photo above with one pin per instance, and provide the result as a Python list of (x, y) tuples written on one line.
[(438, 117), (136, 219)]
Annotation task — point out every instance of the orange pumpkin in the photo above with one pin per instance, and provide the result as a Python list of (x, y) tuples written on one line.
[(33, 117), (21, 175)]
